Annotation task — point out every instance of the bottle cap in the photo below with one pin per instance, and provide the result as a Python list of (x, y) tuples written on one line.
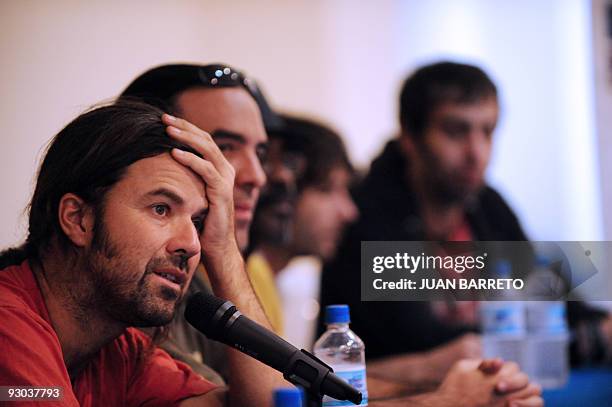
[(288, 397), (542, 260), (503, 268), (337, 314)]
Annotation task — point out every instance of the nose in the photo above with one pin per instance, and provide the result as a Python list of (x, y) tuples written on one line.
[(250, 173), (184, 240), (347, 208), (279, 173), (478, 147)]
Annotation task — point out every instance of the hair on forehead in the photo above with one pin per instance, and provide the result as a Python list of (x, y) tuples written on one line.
[(89, 156), (320, 145), (160, 86), (432, 85)]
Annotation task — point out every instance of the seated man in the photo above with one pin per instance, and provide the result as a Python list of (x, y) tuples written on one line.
[(120, 215), (429, 184), (222, 101), (302, 212)]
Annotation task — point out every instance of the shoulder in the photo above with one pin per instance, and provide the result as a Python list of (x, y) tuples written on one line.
[(490, 197), (158, 376), (31, 352), (492, 211), (493, 204), (22, 310)]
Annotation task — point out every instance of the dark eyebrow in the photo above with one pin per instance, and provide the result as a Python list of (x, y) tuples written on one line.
[(174, 198), (219, 135), (222, 135), (168, 194)]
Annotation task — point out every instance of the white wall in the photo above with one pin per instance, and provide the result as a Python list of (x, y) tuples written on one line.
[(602, 43), (339, 60)]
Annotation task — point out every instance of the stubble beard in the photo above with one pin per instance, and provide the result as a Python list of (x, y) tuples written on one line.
[(442, 185), (116, 291)]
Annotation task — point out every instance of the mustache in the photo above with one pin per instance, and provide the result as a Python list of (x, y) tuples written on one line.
[(179, 261), (277, 192)]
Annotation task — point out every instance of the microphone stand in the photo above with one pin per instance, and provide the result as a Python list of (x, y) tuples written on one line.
[(313, 401), (310, 376), (298, 368)]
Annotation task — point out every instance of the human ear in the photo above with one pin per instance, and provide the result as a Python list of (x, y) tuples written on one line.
[(76, 219), (406, 144)]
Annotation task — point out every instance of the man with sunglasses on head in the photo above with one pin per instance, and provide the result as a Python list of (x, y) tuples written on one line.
[(228, 105), (222, 101)]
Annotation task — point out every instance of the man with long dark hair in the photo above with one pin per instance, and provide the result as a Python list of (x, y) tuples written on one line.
[(124, 209)]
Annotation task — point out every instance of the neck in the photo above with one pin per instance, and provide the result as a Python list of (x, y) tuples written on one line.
[(439, 218), (277, 256), (81, 329)]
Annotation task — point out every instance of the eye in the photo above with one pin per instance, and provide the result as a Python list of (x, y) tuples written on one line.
[(262, 154), (161, 209), (199, 225), (455, 132), (488, 131), (326, 187), (226, 147)]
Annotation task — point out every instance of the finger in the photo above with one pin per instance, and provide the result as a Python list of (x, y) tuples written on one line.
[(509, 384), (182, 124), (467, 364), (187, 133), (531, 390), (204, 168), (535, 401), (206, 147), (491, 366), (197, 139), (510, 367)]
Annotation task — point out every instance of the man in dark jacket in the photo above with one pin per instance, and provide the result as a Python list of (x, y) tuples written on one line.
[(428, 184)]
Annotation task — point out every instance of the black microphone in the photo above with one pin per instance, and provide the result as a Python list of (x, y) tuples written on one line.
[(220, 320)]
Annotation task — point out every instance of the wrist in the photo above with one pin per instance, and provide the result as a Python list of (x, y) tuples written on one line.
[(224, 266)]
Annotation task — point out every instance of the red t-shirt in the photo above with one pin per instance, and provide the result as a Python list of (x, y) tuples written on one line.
[(462, 234), (31, 355), (462, 312)]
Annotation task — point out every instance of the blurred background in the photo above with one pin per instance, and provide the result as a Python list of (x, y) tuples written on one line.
[(341, 61)]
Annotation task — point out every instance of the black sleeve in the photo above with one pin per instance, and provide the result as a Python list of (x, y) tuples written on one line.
[(387, 328), (493, 219)]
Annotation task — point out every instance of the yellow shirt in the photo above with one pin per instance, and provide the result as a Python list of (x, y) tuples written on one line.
[(262, 279)]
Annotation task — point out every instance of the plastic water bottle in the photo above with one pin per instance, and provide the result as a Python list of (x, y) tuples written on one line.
[(288, 397), (503, 321), (341, 349), (546, 346)]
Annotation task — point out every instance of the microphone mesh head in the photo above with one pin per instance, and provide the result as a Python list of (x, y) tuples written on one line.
[(202, 312)]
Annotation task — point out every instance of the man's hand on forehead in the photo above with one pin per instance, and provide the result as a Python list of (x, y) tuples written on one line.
[(218, 175)]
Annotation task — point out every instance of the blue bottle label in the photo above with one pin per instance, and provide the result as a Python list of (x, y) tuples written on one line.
[(357, 379), (503, 318)]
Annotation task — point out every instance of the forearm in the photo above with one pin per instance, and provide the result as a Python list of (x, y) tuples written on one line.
[(251, 383), (409, 369)]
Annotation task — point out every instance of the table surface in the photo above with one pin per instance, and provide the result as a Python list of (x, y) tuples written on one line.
[(585, 388)]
